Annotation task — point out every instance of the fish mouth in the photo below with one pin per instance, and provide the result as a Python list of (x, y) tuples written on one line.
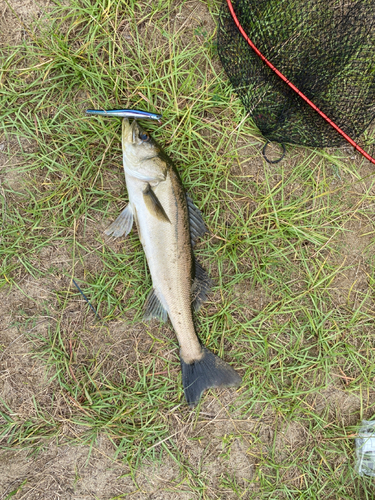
[(129, 131), (135, 131)]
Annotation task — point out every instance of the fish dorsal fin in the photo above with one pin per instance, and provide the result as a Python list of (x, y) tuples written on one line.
[(201, 286), (197, 226), (122, 225), (154, 308), (153, 204)]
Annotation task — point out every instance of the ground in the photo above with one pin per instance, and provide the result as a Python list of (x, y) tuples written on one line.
[(92, 405)]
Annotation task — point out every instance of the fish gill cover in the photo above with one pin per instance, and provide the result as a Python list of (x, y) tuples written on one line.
[(326, 48)]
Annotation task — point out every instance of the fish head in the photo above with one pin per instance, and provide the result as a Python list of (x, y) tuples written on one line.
[(142, 157)]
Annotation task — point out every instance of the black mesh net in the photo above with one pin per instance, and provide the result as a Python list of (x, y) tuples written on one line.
[(324, 47)]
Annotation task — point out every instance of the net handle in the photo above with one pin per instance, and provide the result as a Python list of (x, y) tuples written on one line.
[(284, 78)]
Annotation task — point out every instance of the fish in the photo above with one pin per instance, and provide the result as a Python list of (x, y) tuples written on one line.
[(169, 223), (126, 113)]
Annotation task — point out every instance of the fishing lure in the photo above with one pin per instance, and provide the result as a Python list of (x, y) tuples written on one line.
[(126, 113)]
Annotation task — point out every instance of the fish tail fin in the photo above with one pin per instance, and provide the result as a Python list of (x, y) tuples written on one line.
[(209, 371)]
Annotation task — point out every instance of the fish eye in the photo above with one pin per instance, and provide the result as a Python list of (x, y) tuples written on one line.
[(143, 136)]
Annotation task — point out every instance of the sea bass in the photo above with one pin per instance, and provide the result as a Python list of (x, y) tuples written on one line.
[(168, 224)]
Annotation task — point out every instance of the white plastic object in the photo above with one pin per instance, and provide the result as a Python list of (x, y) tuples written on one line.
[(365, 449)]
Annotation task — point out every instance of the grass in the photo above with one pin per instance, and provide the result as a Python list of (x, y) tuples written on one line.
[(290, 250)]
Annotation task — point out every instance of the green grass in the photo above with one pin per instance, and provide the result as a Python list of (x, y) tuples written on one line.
[(293, 304)]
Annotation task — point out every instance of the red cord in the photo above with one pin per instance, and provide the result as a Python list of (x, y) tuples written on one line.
[(270, 65)]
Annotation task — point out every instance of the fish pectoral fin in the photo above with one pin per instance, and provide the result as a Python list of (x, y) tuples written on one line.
[(153, 204), (154, 308), (201, 286), (197, 226), (209, 371), (122, 225)]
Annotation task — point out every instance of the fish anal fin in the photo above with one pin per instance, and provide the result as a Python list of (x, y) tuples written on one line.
[(201, 286), (197, 226), (122, 225), (153, 204), (209, 372), (154, 308)]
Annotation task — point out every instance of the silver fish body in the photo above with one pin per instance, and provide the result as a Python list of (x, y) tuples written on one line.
[(168, 224)]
